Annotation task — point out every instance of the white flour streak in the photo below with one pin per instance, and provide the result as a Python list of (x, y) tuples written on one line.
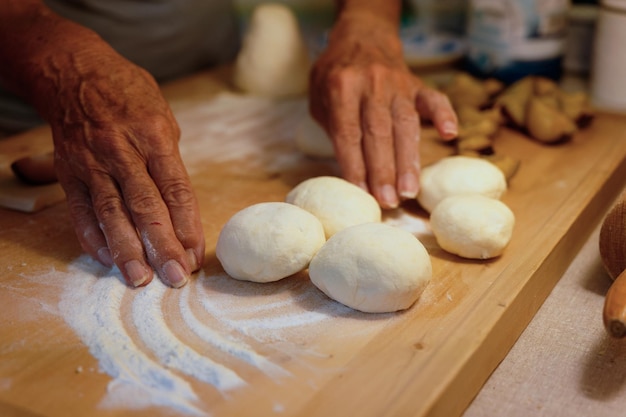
[(91, 306), (238, 349), (265, 316), (170, 351)]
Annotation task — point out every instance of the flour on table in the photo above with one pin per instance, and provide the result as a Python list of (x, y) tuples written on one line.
[(231, 317), (246, 128)]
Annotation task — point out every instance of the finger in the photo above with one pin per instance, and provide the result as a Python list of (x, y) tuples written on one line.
[(406, 134), (121, 236), (344, 128), (86, 225), (152, 220), (379, 152), (435, 106), (175, 187)]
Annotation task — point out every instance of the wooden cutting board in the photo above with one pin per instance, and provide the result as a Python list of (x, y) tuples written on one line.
[(73, 340)]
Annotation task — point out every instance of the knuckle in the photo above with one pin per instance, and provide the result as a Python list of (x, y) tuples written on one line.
[(349, 133), (143, 204), (377, 126), (342, 79), (107, 207), (177, 192), (165, 126), (406, 119)]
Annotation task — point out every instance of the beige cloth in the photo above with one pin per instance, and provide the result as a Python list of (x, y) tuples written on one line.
[(564, 364)]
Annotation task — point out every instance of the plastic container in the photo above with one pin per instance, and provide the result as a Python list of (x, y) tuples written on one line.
[(608, 67), (510, 39)]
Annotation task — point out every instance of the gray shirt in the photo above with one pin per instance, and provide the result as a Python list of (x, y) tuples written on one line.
[(169, 38)]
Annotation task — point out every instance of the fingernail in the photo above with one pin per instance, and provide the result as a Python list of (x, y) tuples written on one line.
[(104, 255), (174, 274), (408, 185), (137, 273), (449, 128), (388, 196), (193, 260)]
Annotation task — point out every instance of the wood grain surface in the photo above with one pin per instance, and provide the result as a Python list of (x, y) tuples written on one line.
[(428, 361)]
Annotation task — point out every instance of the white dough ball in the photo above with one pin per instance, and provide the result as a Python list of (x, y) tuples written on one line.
[(312, 140), (472, 226), (336, 202), (372, 267), (273, 60), (268, 241), (459, 175)]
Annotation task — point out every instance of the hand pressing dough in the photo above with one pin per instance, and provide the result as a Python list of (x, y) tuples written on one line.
[(472, 226), (312, 140), (372, 267), (266, 242), (336, 202), (273, 60), (459, 175)]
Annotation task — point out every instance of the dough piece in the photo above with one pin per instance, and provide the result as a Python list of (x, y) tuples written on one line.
[(458, 175), (372, 267), (273, 60), (268, 241), (472, 226), (312, 140), (336, 202)]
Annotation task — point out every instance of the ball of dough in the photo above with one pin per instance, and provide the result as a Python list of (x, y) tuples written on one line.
[(472, 226), (458, 175), (312, 140), (268, 241), (336, 202), (372, 267), (273, 60)]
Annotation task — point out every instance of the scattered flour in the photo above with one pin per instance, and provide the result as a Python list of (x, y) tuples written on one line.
[(243, 321), (238, 349), (169, 350), (91, 305), (154, 370), (245, 127)]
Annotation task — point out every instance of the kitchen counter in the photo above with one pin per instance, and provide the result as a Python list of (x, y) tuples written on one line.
[(74, 338)]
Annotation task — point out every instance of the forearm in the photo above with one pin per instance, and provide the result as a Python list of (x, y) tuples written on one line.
[(44, 55), (384, 12), (369, 23)]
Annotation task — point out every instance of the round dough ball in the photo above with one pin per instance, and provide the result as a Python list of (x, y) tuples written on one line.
[(268, 241), (336, 202), (312, 140), (472, 226), (273, 60), (372, 267), (458, 175)]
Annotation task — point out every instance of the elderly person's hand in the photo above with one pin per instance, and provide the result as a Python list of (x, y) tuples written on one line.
[(371, 104), (115, 145)]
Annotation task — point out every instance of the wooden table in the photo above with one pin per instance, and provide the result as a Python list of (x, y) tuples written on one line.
[(74, 341)]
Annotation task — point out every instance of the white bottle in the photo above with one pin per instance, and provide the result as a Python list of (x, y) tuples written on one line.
[(608, 66), (509, 39)]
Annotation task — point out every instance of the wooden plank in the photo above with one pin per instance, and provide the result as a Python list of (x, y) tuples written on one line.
[(428, 361)]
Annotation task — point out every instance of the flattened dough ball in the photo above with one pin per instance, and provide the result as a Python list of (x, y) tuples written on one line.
[(269, 241), (336, 202), (472, 226), (273, 60), (312, 140), (372, 267), (459, 175)]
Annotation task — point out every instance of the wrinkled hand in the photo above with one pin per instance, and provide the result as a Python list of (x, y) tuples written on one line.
[(369, 102), (117, 158)]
